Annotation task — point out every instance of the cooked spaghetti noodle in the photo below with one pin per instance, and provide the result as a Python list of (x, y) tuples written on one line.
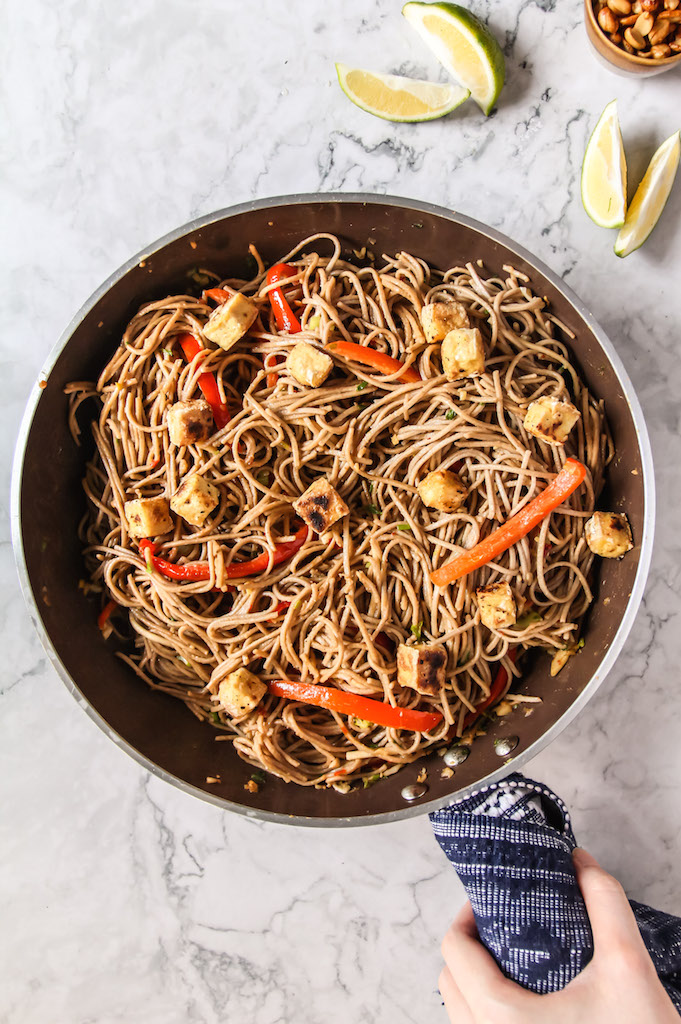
[(334, 612)]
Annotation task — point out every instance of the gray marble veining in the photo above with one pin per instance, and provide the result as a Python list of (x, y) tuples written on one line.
[(122, 899)]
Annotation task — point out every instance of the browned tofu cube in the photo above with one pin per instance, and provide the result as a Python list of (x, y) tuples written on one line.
[(148, 517), (463, 353), (550, 419), (195, 499), (230, 321), (497, 605), (442, 490), (308, 365), (320, 506), (240, 693), (422, 667), (190, 422), (439, 318), (608, 534)]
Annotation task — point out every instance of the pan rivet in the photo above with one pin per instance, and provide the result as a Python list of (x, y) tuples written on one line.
[(456, 755), (505, 746), (414, 792)]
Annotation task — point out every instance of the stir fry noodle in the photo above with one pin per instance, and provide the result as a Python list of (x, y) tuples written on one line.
[(222, 593)]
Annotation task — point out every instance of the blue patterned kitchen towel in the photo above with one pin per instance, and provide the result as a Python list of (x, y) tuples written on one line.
[(511, 844)]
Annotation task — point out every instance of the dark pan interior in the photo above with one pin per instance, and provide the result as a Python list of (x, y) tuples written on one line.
[(158, 727)]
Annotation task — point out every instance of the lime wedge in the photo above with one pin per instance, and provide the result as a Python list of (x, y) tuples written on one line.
[(651, 196), (604, 172), (399, 99), (464, 45)]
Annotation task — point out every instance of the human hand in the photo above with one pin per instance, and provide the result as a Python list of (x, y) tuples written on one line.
[(619, 984)]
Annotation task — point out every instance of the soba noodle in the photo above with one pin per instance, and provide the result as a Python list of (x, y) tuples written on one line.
[(335, 611)]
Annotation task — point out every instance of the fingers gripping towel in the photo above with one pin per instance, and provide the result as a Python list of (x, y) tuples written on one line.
[(511, 845)]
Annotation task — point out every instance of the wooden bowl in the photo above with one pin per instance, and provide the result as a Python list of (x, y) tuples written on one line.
[(618, 59)]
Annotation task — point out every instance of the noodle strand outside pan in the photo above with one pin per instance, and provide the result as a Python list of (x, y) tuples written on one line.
[(47, 503)]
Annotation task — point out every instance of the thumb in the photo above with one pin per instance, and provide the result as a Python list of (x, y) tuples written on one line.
[(612, 920)]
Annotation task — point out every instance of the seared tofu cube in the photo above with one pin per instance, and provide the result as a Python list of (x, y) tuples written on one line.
[(439, 318), (240, 693), (230, 321), (463, 353), (608, 534), (195, 499), (551, 419), (422, 667), (497, 605), (308, 365), (320, 506), (190, 422), (442, 490), (148, 517)]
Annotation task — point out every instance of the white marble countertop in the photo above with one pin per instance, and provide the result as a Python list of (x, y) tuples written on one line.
[(123, 899)]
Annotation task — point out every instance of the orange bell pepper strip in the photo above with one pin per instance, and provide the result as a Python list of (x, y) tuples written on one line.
[(105, 613), (218, 295), (377, 360), (353, 704), (514, 529), (206, 381)]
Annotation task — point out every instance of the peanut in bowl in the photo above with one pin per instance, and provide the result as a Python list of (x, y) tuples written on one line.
[(639, 37)]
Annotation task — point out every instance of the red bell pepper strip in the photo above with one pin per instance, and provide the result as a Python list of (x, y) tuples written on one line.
[(198, 571), (353, 704), (283, 314), (281, 607), (105, 613), (282, 552), (206, 381), (561, 487), (377, 360), (498, 686)]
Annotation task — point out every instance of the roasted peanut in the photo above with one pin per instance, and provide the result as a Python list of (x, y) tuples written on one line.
[(671, 5), (659, 32), (616, 38), (631, 19), (673, 16), (650, 5), (644, 23), (636, 7), (620, 6), (634, 38), (661, 51), (607, 20), (675, 45), (627, 47)]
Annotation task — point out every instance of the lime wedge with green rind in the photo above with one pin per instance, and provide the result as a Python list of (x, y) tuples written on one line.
[(464, 45), (395, 98), (604, 172), (651, 197)]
